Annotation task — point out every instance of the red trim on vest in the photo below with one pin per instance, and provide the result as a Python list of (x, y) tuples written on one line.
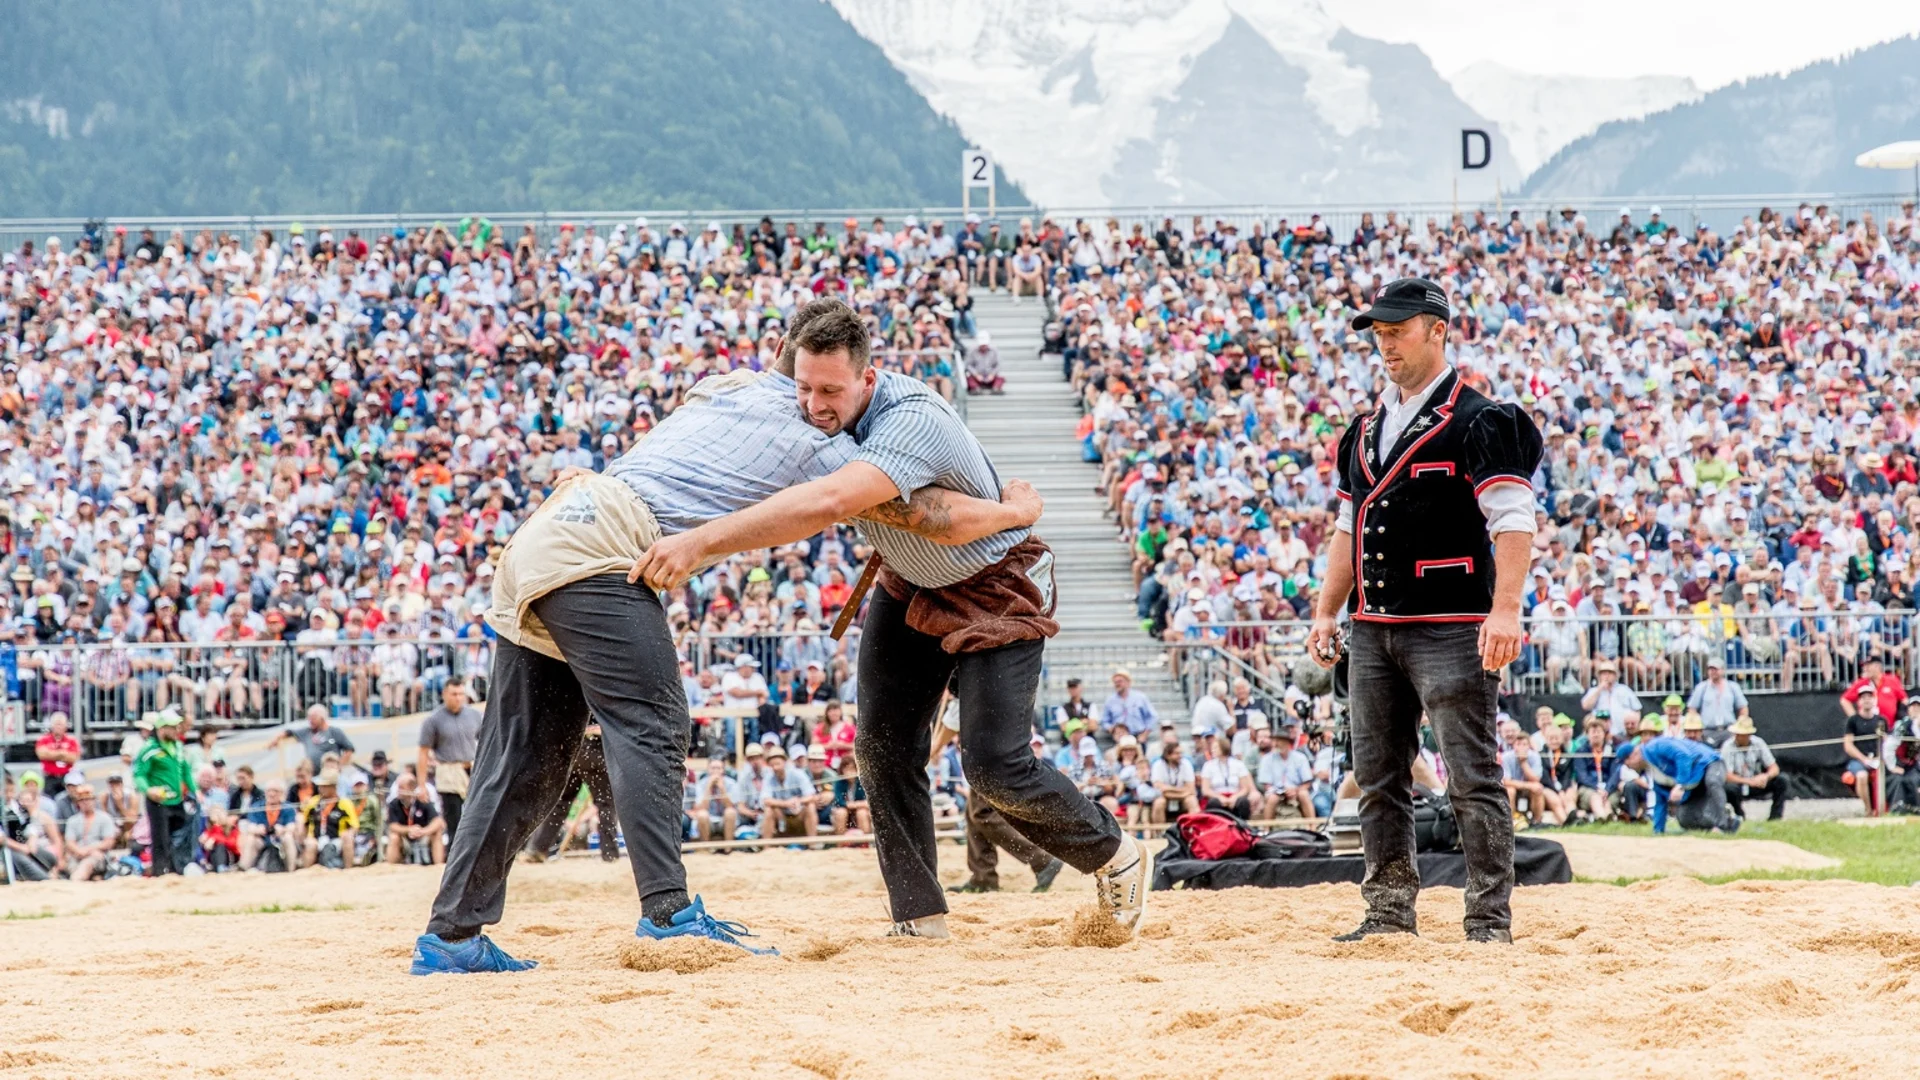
[(1445, 467), (1421, 566), (1501, 478)]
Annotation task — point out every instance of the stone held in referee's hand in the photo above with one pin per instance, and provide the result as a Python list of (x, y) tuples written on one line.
[(1398, 301)]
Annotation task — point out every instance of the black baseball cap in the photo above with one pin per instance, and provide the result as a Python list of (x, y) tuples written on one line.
[(1401, 300)]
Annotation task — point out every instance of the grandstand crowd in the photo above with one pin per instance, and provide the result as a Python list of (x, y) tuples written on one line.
[(1729, 478), (274, 467)]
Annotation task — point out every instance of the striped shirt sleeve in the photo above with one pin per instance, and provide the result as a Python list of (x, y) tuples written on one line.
[(908, 443)]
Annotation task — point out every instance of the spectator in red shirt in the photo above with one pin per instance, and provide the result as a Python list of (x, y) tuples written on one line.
[(835, 733), (1888, 697), (58, 753)]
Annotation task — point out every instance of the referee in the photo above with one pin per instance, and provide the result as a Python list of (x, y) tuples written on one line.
[(1429, 555)]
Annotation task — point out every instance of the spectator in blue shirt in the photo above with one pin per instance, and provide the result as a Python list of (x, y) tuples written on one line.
[(1686, 772), (271, 823), (788, 798), (1596, 768), (1127, 708)]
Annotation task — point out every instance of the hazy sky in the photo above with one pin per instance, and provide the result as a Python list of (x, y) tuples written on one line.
[(1714, 41)]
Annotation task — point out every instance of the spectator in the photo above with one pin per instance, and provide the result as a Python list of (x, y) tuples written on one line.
[(1127, 709), (787, 800), (328, 824), (1092, 775), (19, 845), (449, 738), (1752, 771), (89, 833), (33, 833), (1520, 774), (1889, 696), (1132, 778), (122, 806), (1286, 780), (1610, 698), (269, 832), (1225, 783), (1903, 761), (1559, 788), (851, 812), (714, 814), (58, 753), (983, 367), (1861, 743), (1596, 769), (1210, 713), (416, 830), (318, 738), (1686, 772), (1718, 701), (1173, 785), (1076, 707)]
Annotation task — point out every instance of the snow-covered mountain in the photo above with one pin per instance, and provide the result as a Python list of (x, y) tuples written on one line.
[(1539, 114), (1101, 102)]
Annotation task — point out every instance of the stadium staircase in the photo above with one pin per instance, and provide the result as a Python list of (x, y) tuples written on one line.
[(1029, 432)]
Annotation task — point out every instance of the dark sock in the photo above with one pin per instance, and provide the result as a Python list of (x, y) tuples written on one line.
[(663, 906)]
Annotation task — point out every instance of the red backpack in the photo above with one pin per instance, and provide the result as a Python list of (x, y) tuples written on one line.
[(1210, 834)]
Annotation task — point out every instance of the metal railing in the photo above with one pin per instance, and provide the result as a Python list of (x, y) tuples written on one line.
[(1654, 654), (107, 687), (1681, 211)]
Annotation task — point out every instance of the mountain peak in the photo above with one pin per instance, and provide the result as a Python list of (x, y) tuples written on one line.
[(1539, 114)]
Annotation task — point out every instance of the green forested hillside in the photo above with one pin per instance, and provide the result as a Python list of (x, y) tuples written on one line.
[(300, 106), (1793, 132)]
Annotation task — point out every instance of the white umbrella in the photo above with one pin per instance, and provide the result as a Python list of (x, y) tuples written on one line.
[(1894, 155)]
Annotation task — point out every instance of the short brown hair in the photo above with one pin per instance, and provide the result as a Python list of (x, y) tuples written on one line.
[(823, 326)]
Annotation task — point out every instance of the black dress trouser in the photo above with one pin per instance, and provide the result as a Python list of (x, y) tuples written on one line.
[(987, 834), (620, 662), (1395, 673), (452, 807), (1775, 791), (170, 830), (902, 674)]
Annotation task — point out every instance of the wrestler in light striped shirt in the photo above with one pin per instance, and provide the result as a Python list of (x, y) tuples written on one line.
[(912, 434), (733, 444)]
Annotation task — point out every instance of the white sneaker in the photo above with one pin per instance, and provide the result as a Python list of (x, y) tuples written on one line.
[(933, 928), (1122, 885)]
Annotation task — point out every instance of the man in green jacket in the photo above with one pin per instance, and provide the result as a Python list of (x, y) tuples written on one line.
[(162, 775)]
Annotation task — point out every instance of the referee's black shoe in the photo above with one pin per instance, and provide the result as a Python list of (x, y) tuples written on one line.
[(1490, 935), (1371, 927), (972, 887)]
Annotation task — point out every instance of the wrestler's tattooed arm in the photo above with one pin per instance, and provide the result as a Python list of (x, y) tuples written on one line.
[(948, 517)]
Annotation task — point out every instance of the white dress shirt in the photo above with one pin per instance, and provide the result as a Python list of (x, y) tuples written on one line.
[(1507, 505)]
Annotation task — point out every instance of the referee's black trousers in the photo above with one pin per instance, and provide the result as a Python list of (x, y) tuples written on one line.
[(621, 662), (1396, 672), (902, 675)]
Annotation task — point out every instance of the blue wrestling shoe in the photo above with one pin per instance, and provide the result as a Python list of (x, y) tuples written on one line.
[(434, 955), (693, 921)]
